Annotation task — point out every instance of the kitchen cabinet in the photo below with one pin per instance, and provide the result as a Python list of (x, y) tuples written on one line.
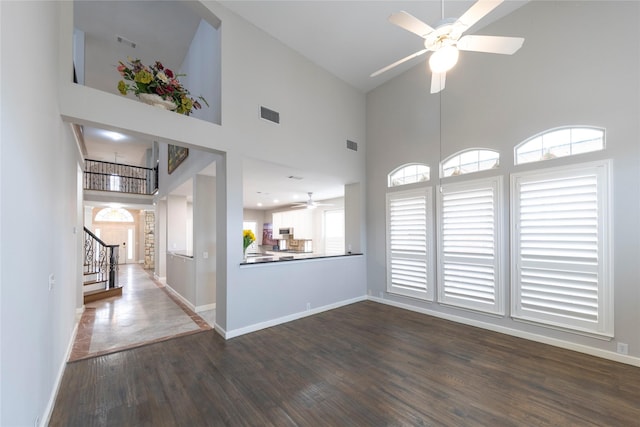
[(303, 224), (280, 220), (300, 220)]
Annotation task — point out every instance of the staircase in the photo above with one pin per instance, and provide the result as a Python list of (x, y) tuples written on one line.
[(100, 269)]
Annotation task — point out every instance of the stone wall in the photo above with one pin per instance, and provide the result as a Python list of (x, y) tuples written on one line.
[(149, 240)]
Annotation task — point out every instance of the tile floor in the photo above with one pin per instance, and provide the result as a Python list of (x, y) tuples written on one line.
[(147, 312)]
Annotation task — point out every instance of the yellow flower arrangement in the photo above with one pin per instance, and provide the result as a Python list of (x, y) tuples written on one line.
[(247, 238)]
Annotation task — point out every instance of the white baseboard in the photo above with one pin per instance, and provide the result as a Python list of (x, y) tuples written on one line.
[(56, 385), (295, 316), (205, 307), (220, 330), (181, 298), (605, 354), (162, 280), (188, 303)]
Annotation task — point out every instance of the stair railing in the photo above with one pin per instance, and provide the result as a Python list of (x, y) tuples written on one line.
[(108, 176), (101, 259)]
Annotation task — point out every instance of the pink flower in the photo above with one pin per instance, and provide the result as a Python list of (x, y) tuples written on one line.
[(158, 80)]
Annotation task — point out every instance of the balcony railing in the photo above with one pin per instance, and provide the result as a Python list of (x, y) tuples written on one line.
[(107, 176)]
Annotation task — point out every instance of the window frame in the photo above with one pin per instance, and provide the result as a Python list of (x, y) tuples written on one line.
[(570, 143), (404, 167), (604, 326), (469, 150), (107, 215), (495, 185), (428, 293)]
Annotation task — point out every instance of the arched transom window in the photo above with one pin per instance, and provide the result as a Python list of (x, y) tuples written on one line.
[(470, 161), (559, 142), (409, 174), (114, 215)]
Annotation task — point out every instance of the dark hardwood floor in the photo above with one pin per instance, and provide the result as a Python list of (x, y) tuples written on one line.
[(366, 364)]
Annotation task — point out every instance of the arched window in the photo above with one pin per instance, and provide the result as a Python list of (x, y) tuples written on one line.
[(470, 161), (409, 174), (114, 215), (559, 142)]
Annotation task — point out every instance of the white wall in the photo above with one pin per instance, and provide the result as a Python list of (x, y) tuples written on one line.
[(565, 74), (201, 66), (160, 270), (354, 218), (298, 286), (205, 240), (38, 196), (307, 98), (195, 161), (177, 224), (181, 272)]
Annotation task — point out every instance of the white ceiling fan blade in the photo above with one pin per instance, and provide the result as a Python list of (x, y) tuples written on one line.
[(410, 23), (479, 10), (437, 82), (491, 44), (405, 59)]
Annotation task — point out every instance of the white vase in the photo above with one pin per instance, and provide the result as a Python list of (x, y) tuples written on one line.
[(157, 101)]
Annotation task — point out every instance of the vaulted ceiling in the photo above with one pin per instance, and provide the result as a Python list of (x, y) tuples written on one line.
[(350, 39)]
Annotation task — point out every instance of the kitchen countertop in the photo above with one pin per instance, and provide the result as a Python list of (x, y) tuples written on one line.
[(184, 254), (282, 256)]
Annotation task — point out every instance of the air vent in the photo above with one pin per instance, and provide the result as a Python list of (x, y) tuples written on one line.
[(126, 41), (352, 145), (267, 114)]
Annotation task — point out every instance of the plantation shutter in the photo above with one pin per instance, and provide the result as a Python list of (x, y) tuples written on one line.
[(469, 242), (334, 232), (560, 262), (408, 241)]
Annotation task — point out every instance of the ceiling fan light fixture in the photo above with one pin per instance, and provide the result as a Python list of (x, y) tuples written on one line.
[(444, 59)]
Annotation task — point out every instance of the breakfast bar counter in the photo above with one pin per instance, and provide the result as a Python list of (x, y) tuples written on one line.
[(270, 257)]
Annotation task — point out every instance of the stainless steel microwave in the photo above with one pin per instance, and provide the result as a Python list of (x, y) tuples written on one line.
[(286, 231)]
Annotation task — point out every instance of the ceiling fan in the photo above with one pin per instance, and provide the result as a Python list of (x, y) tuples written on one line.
[(446, 40), (309, 204)]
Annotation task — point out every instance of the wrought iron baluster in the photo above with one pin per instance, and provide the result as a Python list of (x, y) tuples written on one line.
[(106, 176)]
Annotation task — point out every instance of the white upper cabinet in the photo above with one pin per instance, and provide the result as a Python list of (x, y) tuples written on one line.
[(300, 220)]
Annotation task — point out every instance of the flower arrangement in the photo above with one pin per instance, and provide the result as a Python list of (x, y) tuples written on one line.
[(247, 238), (157, 80)]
